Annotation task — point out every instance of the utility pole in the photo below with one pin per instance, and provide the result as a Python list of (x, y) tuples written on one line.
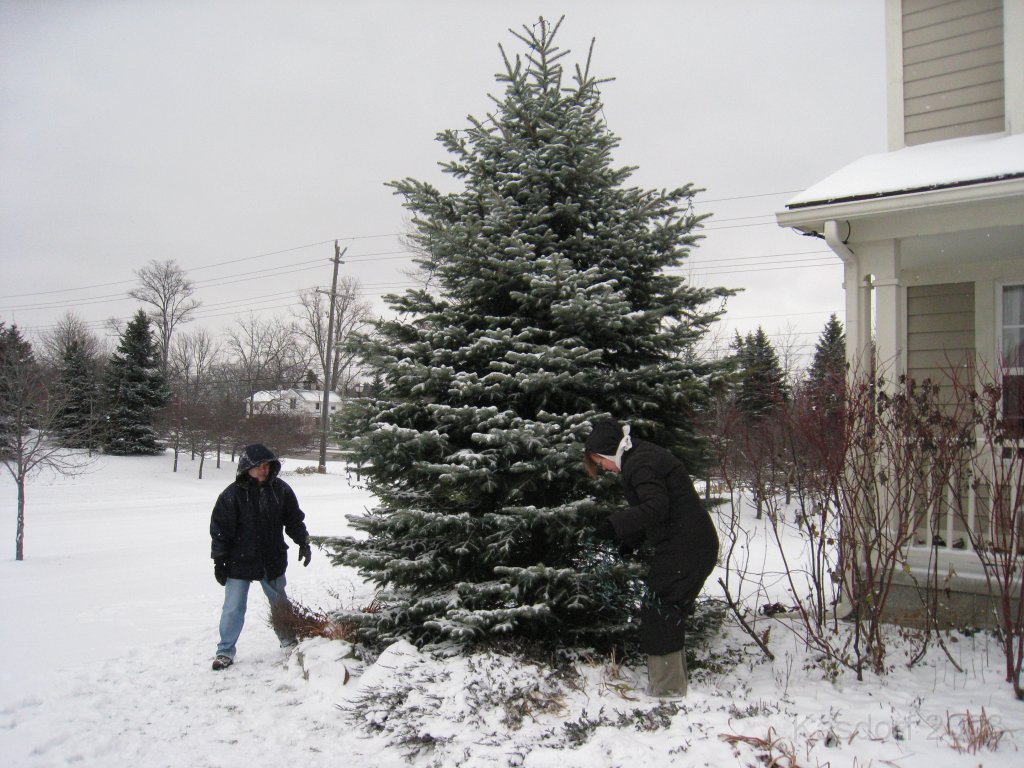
[(325, 410)]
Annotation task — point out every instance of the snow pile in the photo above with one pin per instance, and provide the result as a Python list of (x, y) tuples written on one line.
[(110, 627)]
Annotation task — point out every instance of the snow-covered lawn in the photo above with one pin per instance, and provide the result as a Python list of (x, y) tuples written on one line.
[(109, 627)]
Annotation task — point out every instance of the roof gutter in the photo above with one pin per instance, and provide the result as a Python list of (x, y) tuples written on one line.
[(907, 191), (809, 217)]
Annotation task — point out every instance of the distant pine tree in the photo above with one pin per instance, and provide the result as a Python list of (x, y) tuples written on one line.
[(828, 367), (15, 402), (134, 390), (553, 298), (762, 382), (77, 422)]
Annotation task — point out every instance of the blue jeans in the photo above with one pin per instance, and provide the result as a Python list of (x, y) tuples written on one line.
[(232, 616)]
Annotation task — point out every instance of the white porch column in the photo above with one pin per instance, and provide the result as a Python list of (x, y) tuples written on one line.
[(858, 318), (890, 308)]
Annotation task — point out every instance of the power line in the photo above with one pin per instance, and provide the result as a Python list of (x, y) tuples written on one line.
[(724, 265), (759, 269), (360, 257), (382, 255), (729, 261), (377, 290), (740, 226), (748, 197), (716, 220), (211, 266), (294, 248)]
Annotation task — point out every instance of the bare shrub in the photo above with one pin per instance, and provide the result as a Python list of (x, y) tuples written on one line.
[(303, 622), (863, 466), (771, 749), (969, 735), (282, 432), (897, 467), (729, 444), (871, 467), (996, 471)]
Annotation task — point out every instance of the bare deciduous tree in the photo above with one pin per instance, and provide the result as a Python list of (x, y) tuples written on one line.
[(165, 287), (193, 364), (791, 357), (29, 424), (69, 331), (193, 361), (351, 315), (266, 354)]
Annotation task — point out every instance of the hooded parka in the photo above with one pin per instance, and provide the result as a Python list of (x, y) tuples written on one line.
[(249, 520), (666, 513)]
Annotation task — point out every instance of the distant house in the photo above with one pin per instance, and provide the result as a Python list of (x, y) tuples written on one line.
[(931, 233), (300, 402)]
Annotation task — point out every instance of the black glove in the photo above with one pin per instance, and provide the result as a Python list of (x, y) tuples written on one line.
[(305, 554), (220, 572), (604, 531)]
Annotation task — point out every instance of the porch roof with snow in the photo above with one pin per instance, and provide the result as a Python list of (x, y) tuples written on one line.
[(942, 173)]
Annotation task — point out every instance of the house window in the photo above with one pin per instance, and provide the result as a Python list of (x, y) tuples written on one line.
[(293, 403), (1012, 351)]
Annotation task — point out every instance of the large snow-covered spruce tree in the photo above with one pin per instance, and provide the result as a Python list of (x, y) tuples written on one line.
[(134, 390), (548, 305)]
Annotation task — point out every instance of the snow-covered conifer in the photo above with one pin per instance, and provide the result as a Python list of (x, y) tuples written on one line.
[(827, 374), (134, 390), (76, 423), (762, 383), (17, 400), (552, 296)]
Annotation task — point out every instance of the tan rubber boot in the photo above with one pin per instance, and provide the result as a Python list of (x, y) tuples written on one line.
[(667, 675)]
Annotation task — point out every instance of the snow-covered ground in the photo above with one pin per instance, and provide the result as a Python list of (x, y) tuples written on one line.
[(109, 627)]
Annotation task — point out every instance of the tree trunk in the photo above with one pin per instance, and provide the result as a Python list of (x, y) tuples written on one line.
[(19, 546)]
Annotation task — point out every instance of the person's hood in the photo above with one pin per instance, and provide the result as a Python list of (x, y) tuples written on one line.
[(254, 455), (604, 438), (609, 439)]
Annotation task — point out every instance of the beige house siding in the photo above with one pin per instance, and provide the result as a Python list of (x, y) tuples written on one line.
[(953, 75), (940, 330), (940, 344)]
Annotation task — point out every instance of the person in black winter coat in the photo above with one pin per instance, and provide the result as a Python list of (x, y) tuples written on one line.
[(666, 513), (248, 545)]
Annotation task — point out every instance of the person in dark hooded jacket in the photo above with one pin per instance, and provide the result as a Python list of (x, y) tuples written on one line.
[(248, 545), (666, 513)]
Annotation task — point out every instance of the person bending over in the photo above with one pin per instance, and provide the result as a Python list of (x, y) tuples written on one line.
[(666, 512)]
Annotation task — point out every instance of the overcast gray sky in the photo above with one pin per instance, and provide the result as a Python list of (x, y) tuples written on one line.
[(242, 138)]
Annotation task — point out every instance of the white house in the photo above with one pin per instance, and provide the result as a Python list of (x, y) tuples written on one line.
[(300, 402), (931, 232)]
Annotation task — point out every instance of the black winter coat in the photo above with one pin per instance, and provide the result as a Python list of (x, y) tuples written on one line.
[(666, 511), (247, 526)]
